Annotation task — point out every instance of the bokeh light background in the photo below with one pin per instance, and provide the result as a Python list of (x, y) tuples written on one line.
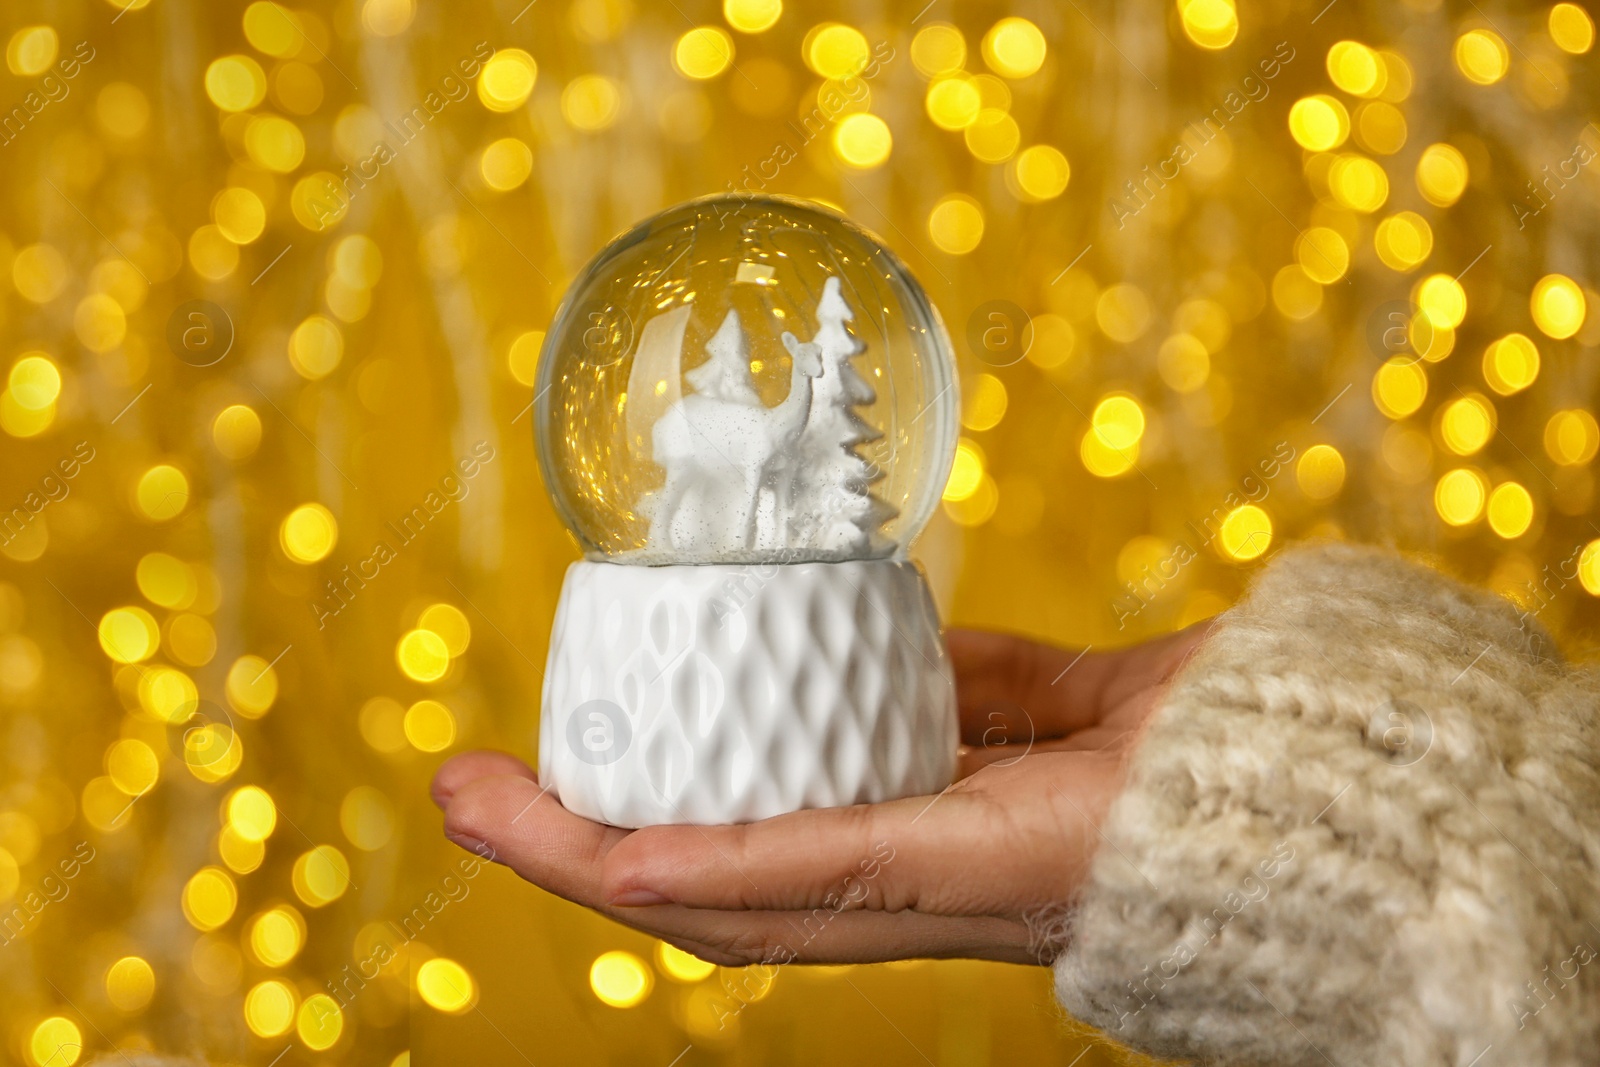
[(1220, 278)]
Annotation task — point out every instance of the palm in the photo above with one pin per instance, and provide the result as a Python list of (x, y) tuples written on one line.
[(959, 874)]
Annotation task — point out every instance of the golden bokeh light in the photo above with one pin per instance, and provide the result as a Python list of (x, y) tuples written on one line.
[(1558, 306), (316, 347), (1399, 387), (272, 29), (34, 382), (251, 686), (1014, 48), (236, 83), (1482, 56), (1466, 424), (703, 52), (422, 655), (953, 102), (965, 472), (507, 79), (1319, 122), (166, 581), (1403, 241), (836, 51), (308, 533), (1358, 183), (523, 357), (445, 985), (1103, 461), (1041, 172), (429, 726), (1356, 69), (1510, 510), (236, 431), (251, 813), (1511, 364), (277, 935), (1571, 28), (1184, 362), (505, 164), (130, 983), (1273, 282), (1442, 299), (450, 623), (591, 102), (1294, 292), (31, 50), (938, 49), (162, 492), (1460, 495), (367, 818), (752, 16), (1211, 24), (129, 635), (1320, 472), (167, 694), (993, 136), (209, 898), (620, 979), (132, 766), (1245, 533), (1123, 312), (862, 140), (321, 876), (1118, 421), (269, 1008), (681, 966), (55, 1042), (1322, 254), (956, 224), (388, 18), (1571, 437), (1380, 127), (319, 1022), (983, 402)]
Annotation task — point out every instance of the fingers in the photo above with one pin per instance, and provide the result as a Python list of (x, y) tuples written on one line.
[(1012, 690), (990, 845), (469, 766), (522, 826), (530, 832), (789, 862)]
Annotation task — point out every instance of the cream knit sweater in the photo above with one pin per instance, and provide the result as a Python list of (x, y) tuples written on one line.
[(1363, 828)]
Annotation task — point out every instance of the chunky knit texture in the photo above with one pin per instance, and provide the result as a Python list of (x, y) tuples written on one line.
[(1363, 828)]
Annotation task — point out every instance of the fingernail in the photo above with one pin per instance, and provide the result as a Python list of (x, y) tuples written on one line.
[(639, 898), (471, 844)]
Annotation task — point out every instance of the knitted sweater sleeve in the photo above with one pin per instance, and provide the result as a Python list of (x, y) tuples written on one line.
[(1363, 827)]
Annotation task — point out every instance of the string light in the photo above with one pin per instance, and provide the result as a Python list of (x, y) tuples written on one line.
[(408, 304)]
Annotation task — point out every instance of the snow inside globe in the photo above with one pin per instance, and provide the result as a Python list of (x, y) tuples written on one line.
[(745, 413)]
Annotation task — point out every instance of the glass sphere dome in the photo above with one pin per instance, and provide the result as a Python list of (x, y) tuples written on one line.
[(742, 380)]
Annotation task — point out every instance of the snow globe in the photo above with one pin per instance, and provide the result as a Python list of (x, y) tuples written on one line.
[(745, 412)]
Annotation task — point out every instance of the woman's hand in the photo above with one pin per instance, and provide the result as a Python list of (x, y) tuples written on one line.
[(1046, 733)]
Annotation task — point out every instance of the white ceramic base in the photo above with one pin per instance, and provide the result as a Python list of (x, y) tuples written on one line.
[(726, 694)]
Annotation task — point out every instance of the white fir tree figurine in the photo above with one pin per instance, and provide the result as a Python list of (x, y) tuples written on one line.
[(726, 375), (834, 509)]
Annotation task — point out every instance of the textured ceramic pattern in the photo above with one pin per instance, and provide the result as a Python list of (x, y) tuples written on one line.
[(722, 694)]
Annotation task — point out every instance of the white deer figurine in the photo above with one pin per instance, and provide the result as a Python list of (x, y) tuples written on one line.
[(703, 438)]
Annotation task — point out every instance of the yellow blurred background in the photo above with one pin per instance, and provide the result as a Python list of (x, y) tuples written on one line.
[(273, 281)]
